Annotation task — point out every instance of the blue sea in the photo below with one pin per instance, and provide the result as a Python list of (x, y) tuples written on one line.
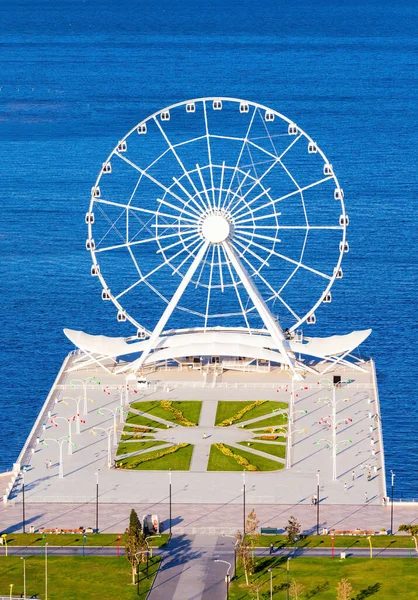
[(75, 76)]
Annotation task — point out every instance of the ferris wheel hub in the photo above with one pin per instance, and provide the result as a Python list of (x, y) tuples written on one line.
[(215, 229)]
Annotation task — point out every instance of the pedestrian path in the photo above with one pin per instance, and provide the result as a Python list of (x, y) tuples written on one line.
[(201, 450), (189, 571)]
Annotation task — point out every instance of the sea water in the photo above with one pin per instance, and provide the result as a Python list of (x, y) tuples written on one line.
[(75, 76)]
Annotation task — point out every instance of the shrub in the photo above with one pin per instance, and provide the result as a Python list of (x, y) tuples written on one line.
[(241, 413), (168, 405), (237, 457), (160, 454)]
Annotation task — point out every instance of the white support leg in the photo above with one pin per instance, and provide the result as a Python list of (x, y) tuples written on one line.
[(270, 323), (168, 311)]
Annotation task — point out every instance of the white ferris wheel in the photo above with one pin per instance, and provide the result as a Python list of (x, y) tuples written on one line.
[(217, 214)]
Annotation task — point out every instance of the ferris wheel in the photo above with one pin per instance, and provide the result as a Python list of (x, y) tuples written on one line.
[(216, 212)]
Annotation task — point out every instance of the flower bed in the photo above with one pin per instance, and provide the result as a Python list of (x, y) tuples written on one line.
[(168, 405), (239, 459), (241, 413), (154, 456)]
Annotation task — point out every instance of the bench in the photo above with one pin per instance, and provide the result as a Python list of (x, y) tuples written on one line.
[(268, 530)]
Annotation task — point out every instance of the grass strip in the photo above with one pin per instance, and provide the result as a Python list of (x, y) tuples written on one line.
[(133, 419), (182, 412), (273, 449), (268, 422), (75, 577), (126, 448), (381, 579), (262, 464), (177, 458), (70, 539)]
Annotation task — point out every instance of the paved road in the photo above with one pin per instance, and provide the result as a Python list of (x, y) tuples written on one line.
[(185, 548)]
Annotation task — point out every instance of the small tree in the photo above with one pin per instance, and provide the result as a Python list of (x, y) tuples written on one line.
[(134, 541), (251, 526), (411, 529), (255, 589), (344, 590), (295, 590), (244, 555), (293, 530)]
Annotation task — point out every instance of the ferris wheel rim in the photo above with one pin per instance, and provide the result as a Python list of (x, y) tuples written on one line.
[(256, 106)]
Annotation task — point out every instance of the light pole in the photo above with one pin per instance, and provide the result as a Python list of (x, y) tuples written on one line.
[(113, 412), (243, 500), (149, 537), (60, 442), (24, 575), (391, 505), (77, 416), (84, 383), (97, 501), (23, 503), (287, 577), (70, 437), (317, 502), (227, 578), (169, 496), (271, 583), (108, 432), (46, 570)]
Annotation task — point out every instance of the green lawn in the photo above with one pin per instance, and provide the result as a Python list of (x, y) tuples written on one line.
[(227, 409), (274, 449), (68, 539), (126, 447), (133, 419), (343, 542), (219, 462), (278, 440), (135, 436), (177, 461), (189, 409), (76, 577), (269, 422), (377, 579)]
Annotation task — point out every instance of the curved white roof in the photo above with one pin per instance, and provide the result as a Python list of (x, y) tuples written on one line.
[(217, 343)]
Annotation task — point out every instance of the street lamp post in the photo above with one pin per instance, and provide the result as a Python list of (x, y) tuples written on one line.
[(235, 550), (169, 496), (287, 577), (317, 503), (108, 432), (77, 416), (113, 412), (391, 505), (271, 583), (84, 383), (243, 500), (227, 578), (24, 575), (60, 442), (46, 570), (97, 501), (23, 503), (70, 437)]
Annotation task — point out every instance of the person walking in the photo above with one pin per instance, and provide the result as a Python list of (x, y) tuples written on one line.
[(271, 548), (345, 487), (369, 476), (50, 464), (353, 475)]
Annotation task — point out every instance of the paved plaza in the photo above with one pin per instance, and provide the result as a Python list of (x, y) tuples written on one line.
[(214, 498)]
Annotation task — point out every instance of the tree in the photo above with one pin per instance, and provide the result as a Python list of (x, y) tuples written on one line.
[(244, 555), (411, 529), (251, 526), (255, 589), (134, 541), (293, 530), (295, 590), (344, 590)]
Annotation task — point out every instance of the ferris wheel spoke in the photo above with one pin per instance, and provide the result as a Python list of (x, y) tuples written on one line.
[(294, 262), (256, 182), (177, 208), (187, 248), (235, 286), (112, 226), (265, 191), (198, 206), (202, 181), (237, 191), (235, 171), (140, 209), (221, 185), (150, 177), (181, 241), (138, 242), (258, 235), (202, 268), (180, 162), (267, 284), (160, 266), (209, 153), (209, 286), (298, 191), (276, 157), (247, 248)]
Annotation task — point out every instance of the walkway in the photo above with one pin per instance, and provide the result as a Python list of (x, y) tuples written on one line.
[(201, 451), (189, 571)]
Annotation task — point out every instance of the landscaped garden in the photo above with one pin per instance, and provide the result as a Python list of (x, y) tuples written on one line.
[(226, 458), (231, 412), (185, 413)]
